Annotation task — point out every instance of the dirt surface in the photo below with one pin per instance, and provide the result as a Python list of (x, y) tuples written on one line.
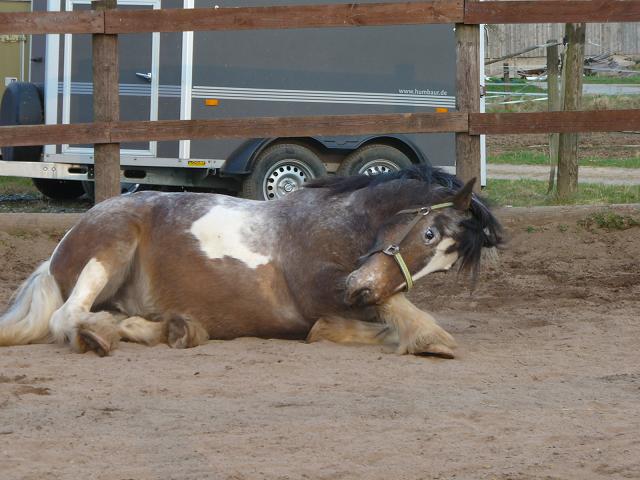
[(546, 384)]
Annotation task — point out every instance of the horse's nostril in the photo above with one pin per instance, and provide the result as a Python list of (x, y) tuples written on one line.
[(361, 296), (363, 293)]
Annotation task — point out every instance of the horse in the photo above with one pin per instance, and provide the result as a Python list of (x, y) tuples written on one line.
[(331, 261)]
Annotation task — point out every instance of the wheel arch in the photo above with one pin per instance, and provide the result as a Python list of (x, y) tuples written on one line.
[(399, 142), (242, 160)]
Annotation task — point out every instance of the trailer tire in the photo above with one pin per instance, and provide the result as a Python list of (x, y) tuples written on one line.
[(90, 188), (280, 170), (22, 105), (59, 189), (374, 159)]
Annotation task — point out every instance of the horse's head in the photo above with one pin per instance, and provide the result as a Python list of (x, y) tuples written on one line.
[(420, 241)]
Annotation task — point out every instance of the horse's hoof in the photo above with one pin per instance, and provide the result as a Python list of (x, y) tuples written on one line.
[(88, 340), (441, 351), (183, 333), (97, 338), (431, 340), (177, 335)]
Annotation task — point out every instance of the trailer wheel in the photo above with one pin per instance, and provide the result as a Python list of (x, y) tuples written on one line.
[(59, 189), (90, 188), (280, 170), (21, 105), (374, 159)]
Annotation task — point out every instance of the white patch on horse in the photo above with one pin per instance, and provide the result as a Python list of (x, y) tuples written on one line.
[(221, 234), (440, 260), (90, 283)]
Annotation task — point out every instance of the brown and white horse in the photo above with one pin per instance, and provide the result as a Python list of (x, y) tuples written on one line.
[(321, 263)]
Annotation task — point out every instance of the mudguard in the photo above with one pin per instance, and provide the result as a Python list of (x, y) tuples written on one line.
[(241, 161)]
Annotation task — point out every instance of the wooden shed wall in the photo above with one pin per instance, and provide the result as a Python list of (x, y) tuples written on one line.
[(621, 38)]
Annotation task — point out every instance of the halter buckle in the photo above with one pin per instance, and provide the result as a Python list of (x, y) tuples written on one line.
[(391, 250)]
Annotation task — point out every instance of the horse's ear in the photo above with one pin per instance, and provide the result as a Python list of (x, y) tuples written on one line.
[(462, 199)]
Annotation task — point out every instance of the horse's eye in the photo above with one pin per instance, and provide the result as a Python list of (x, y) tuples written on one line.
[(429, 234)]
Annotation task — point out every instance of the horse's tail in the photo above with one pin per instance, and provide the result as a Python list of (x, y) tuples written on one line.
[(27, 318)]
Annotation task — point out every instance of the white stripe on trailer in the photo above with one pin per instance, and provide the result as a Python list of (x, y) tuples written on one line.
[(275, 95)]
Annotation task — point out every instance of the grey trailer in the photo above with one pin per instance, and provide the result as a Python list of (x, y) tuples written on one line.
[(235, 74)]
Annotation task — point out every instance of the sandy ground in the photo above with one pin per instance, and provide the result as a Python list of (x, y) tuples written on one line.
[(546, 384)]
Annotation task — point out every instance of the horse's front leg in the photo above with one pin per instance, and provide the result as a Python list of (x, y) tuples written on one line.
[(417, 331), (345, 330)]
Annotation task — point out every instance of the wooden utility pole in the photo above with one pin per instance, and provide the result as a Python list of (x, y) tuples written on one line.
[(554, 102), (106, 107), (468, 99), (572, 100)]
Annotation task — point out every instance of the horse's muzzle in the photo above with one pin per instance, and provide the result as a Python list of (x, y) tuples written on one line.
[(358, 293)]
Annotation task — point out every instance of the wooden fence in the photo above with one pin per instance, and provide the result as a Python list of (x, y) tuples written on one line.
[(106, 22)]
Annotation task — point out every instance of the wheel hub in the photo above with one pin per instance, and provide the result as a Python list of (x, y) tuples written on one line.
[(285, 177), (378, 166)]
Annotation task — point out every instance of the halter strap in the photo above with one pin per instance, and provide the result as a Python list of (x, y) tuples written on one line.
[(393, 249)]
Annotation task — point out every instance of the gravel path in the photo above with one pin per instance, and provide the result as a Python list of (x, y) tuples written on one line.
[(611, 176)]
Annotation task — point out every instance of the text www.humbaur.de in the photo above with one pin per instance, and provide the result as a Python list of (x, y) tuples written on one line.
[(420, 91)]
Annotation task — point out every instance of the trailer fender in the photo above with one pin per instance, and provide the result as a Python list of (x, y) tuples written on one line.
[(399, 141), (240, 162), (350, 144), (241, 159)]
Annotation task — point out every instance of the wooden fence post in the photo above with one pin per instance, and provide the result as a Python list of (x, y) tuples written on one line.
[(468, 99), (106, 107), (573, 70), (554, 104)]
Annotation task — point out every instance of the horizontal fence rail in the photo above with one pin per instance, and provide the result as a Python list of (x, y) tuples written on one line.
[(67, 134), (553, 122), (51, 22), (117, 132), (285, 17), (235, 18), (315, 16), (474, 124), (552, 11)]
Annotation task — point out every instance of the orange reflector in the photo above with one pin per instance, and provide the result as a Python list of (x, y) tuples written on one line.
[(441, 110), (211, 102)]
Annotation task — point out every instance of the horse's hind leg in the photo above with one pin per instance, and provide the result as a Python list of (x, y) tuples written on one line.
[(176, 332), (417, 331), (74, 322), (185, 333), (141, 330), (345, 330)]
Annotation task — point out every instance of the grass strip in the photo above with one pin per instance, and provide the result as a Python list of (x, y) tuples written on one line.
[(532, 193)]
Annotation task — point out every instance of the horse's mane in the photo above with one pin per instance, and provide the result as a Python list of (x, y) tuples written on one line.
[(480, 230), (424, 173)]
